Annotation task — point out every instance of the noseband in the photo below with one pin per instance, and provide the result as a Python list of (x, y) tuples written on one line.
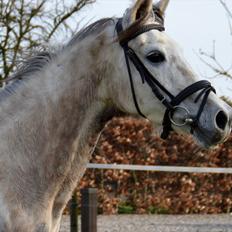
[(171, 102)]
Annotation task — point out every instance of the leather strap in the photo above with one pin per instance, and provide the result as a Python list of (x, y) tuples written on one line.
[(142, 30), (162, 94), (206, 88)]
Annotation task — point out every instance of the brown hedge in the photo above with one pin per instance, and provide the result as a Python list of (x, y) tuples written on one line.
[(131, 141)]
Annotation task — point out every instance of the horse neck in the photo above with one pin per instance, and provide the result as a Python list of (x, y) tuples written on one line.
[(52, 115), (46, 122)]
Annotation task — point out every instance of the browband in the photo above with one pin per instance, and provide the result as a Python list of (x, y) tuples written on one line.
[(141, 30)]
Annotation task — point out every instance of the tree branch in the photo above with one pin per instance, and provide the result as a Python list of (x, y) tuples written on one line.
[(26, 24), (211, 60), (226, 8), (76, 8)]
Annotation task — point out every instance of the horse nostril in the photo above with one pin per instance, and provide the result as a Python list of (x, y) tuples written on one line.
[(221, 120)]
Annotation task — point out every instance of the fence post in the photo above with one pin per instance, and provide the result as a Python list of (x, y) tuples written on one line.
[(73, 213), (89, 210)]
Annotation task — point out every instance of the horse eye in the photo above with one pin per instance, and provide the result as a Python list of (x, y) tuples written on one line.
[(156, 57)]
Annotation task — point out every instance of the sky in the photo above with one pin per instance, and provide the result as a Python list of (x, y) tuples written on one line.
[(193, 24)]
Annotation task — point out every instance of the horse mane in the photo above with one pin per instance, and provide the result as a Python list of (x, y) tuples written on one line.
[(94, 28), (41, 59), (28, 67), (32, 65)]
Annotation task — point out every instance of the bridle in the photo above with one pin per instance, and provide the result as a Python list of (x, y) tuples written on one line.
[(171, 102)]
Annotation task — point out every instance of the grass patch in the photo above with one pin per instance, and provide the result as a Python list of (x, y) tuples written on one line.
[(125, 208), (157, 210)]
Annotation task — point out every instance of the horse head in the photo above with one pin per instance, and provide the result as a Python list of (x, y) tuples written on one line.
[(161, 86)]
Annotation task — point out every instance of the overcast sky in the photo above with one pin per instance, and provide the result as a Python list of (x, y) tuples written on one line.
[(194, 24)]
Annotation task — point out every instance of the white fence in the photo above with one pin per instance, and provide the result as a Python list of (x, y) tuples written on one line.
[(161, 168)]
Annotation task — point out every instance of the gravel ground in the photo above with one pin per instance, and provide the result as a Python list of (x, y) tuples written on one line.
[(160, 223)]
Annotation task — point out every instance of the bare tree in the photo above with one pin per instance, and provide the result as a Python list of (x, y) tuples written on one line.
[(26, 24), (210, 59)]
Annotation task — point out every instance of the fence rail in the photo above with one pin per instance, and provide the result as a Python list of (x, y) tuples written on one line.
[(89, 196), (161, 168)]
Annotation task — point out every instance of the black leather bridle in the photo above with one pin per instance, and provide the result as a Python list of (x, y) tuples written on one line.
[(171, 102)]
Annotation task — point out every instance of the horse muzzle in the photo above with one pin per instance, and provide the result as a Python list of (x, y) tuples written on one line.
[(215, 128)]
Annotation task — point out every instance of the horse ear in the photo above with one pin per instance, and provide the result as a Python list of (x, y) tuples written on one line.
[(140, 12), (141, 9), (161, 6)]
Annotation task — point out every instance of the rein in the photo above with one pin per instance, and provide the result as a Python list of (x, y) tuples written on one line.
[(171, 102)]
